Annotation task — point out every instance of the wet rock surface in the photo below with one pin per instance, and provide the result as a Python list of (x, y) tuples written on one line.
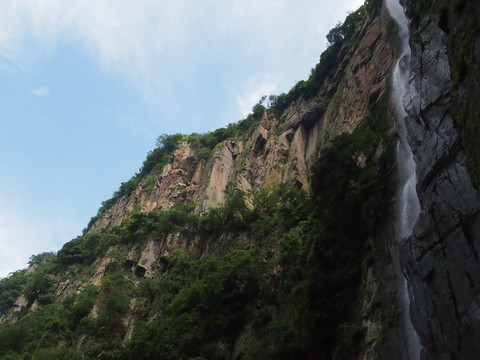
[(440, 259)]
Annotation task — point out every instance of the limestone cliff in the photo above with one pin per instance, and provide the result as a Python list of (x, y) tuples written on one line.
[(283, 145)]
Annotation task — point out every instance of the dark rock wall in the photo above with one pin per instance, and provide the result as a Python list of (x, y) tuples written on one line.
[(441, 258)]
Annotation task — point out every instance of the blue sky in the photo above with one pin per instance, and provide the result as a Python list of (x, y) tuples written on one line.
[(86, 87)]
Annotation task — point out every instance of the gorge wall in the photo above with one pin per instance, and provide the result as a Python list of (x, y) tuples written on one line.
[(283, 146), (439, 259)]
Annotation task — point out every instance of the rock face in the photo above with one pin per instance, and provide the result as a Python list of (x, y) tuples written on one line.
[(281, 148), (440, 259)]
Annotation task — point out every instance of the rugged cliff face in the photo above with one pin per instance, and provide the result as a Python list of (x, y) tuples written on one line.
[(268, 250), (284, 144), (441, 257)]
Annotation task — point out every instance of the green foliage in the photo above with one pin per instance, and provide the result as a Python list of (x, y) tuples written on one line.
[(40, 287), (140, 226), (57, 353), (278, 205), (82, 304), (207, 305), (204, 144), (342, 32), (114, 302), (85, 249), (275, 206), (26, 334), (280, 286), (41, 259), (149, 184), (10, 289), (322, 262), (235, 211), (49, 331), (337, 37), (204, 153)]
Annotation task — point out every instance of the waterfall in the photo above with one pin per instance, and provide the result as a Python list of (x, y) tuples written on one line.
[(408, 204)]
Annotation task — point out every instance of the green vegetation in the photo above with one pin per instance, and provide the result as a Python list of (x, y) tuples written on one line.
[(85, 249), (166, 145), (270, 274), (41, 331), (205, 143), (155, 161), (207, 303), (329, 60), (282, 269), (10, 289)]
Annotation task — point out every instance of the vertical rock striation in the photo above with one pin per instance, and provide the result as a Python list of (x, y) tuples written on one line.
[(440, 258)]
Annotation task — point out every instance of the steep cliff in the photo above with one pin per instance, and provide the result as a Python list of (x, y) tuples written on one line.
[(277, 237), (283, 144), (441, 257)]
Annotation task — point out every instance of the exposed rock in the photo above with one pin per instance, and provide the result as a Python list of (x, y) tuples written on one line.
[(20, 303), (259, 138), (440, 259), (279, 148)]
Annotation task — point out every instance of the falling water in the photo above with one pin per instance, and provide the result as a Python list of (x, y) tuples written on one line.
[(408, 204)]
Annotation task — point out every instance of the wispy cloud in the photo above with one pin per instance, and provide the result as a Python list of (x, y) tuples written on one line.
[(252, 90), (41, 91), (18, 241), (24, 233), (137, 39), (161, 47)]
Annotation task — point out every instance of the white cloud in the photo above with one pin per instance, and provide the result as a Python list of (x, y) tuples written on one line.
[(135, 38), (252, 91), (24, 233), (157, 45), (41, 91), (16, 245)]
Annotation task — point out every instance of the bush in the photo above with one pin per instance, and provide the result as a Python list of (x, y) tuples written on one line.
[(40, 287), (10, 289), (209, 304), (337, 37)]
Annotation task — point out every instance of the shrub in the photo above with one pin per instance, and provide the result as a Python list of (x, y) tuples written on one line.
[(10, 289)]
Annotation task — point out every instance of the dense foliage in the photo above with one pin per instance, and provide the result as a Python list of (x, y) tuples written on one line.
[(329, 60), (270, 274), (280, 273), (10, 289)]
